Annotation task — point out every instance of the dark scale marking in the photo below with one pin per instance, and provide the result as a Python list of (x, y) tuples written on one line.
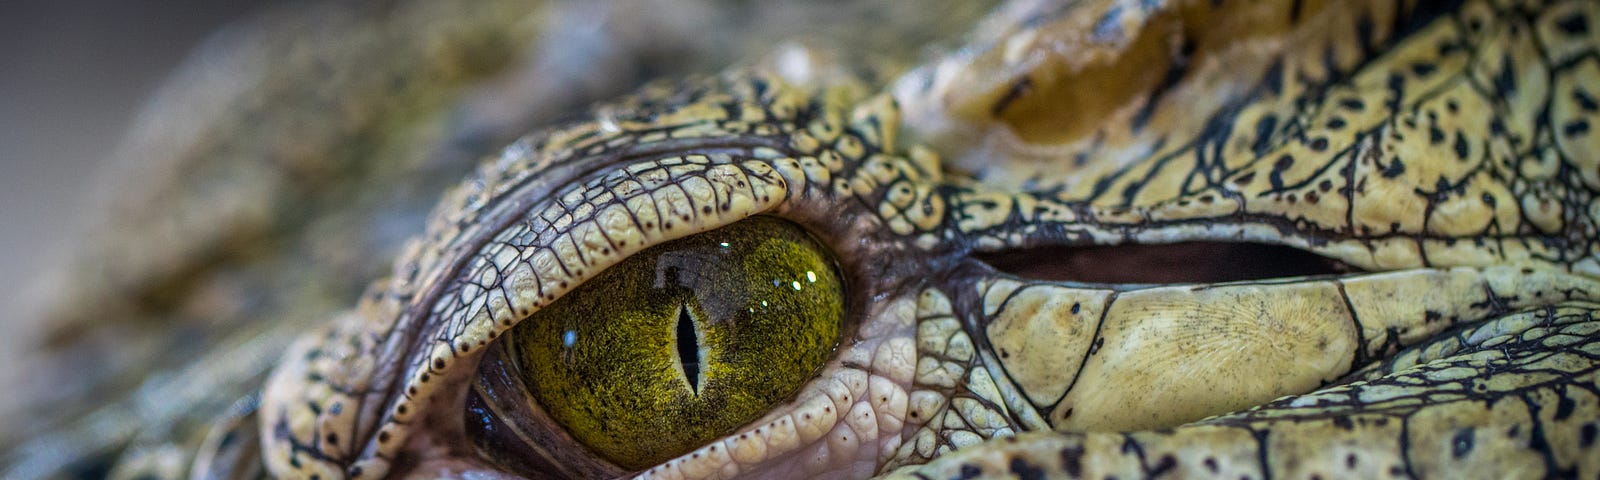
[(1272, 81), (1072, 460), (1586, 102), (1461, 444), (1166, 464), (1025, 471), (1587, 435), (1016, 91), (1574, 24), (1343, 422), (1364, 33), (1397, 86), (1175, 73), (1564, 407), (1394, 169), (1462, 149), (1264, 129), (1576, 127), (1506, 81), (1276, 177)]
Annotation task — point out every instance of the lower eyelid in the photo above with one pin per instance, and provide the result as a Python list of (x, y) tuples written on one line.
[(528, 434)]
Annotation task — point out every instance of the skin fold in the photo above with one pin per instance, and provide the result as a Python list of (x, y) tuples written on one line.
[(1079, 239)]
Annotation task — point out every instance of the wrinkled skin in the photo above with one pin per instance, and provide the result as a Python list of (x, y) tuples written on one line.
[(1181, 238)]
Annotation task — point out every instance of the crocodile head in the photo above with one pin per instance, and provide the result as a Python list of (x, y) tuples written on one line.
[(1219, 239)]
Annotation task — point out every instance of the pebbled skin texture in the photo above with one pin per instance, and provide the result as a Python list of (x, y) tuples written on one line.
[(1440, 153)]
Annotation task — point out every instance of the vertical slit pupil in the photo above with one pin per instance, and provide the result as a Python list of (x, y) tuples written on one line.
[(688, 349)]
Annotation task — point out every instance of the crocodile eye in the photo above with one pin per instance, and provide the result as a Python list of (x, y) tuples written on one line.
[(684, 342)]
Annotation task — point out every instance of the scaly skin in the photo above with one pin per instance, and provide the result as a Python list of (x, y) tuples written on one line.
[(1441, 153)]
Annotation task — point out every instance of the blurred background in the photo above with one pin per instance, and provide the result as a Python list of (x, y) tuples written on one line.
[(72, 75)]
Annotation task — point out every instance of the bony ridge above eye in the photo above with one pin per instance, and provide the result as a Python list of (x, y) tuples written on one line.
[(683, 342)]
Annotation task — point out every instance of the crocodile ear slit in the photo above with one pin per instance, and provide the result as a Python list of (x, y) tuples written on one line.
[(1186, 262)]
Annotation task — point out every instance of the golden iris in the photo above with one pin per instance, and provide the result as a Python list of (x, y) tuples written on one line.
[(684, 342)]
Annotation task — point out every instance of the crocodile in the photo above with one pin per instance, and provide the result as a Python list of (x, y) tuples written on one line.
[(1083, 239)]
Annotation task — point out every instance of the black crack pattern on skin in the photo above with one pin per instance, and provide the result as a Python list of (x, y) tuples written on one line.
[(1349, 162), (1412, 107), (1444, 424)]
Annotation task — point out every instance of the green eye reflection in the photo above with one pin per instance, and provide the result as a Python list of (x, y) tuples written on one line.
[(684, 342)]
